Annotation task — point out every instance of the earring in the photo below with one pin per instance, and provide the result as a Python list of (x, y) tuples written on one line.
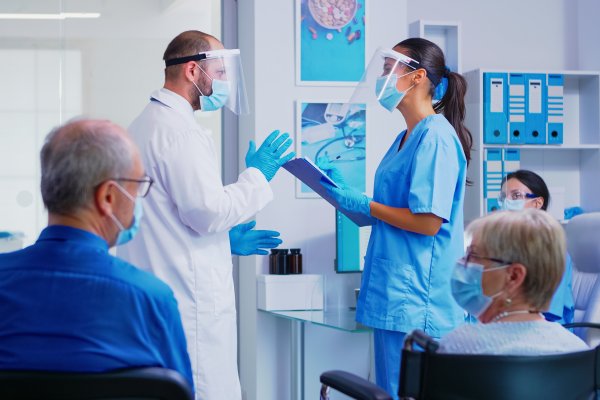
[(507, 302)]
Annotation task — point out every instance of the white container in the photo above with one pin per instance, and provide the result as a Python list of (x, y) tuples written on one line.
[(289, 292)]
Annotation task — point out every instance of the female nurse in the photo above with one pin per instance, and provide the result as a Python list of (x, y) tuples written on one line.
[(526, 189), (417, 204)]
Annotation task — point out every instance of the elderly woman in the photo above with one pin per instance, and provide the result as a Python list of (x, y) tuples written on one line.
[(507, 279)]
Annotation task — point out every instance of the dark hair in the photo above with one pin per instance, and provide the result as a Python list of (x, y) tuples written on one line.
[(185, 44), (452, 105), (534, 182)]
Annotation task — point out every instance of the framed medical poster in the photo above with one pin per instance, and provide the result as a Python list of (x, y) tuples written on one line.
[(330, 42), (335, 132)]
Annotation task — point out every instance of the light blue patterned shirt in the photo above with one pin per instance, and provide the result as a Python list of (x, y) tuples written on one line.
[(511, 338)]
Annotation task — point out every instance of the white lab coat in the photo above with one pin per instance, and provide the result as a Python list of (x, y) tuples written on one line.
[(184, 237)]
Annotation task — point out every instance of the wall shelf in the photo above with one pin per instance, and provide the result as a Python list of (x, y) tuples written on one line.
[(443, 33)]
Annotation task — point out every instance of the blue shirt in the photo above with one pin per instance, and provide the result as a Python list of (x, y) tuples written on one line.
[(406, 278), (562, 306), (66, 304)]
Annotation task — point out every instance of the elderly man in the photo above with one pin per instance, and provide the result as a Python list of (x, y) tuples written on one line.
[(187, 238), (66, 303)]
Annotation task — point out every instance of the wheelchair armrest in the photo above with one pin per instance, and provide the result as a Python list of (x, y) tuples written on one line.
[(353, 386), (582, 325)]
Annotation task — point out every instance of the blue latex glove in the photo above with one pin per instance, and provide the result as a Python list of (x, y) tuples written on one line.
[(572, 212), (268, 158), (245, 241), (332, 171), (350, 199)]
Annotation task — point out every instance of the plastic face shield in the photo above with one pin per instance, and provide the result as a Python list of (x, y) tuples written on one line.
[(224, 65), (384, 63)]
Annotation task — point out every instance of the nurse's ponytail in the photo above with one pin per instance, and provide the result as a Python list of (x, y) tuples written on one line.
[(450, 86)]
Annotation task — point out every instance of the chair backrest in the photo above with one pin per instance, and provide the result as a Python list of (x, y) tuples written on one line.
[(452, 376), (139, 383), (583, 244), (426, 375)]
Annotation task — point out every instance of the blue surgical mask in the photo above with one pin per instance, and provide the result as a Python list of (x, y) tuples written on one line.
[(126, 234), (219, 96), (512, 205), (391, 96), (467, 289)]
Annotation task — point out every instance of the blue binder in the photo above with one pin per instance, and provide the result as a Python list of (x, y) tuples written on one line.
[(495, 108), (516, 108), (535, 111), (491, 205), (556, 108), (492, 175), (511, 161)]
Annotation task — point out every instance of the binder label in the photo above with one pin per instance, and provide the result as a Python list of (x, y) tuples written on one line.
[(535, 96), (497, 95)]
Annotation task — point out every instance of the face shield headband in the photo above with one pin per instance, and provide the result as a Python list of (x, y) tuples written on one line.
[(206, 55), (414, 64)]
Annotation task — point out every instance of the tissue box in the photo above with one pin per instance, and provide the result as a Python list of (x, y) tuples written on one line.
[(289, 292)]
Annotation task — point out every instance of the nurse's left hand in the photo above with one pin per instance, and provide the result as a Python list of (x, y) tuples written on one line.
[(350, 199), (245, 240)]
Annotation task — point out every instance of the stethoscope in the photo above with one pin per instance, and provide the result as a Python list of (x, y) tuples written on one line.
[(354, 147), (352, 151)]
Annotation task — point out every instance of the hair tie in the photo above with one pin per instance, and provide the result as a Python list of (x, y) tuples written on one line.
[(446, 71)]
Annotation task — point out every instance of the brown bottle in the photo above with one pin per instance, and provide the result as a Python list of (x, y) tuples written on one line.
[(295, 261)]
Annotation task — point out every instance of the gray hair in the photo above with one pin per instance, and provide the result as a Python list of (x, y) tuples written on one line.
[(530, 237), (77, 157)]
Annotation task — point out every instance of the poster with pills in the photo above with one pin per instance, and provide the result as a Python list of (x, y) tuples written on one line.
[(330, 48)]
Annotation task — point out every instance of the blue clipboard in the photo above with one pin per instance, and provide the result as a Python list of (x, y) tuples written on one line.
[(312, 176)]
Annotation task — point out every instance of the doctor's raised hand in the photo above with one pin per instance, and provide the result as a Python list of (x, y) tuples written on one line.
[(269, 156)]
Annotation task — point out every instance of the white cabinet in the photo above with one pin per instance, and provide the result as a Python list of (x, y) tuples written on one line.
[(570, 169)]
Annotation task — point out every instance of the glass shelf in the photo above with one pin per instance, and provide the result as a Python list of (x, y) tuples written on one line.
[(341, 319)]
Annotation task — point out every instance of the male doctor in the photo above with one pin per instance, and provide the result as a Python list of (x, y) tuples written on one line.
[(185, 236)]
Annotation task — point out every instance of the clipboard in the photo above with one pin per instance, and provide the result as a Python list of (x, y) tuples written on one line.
[(309, 173)]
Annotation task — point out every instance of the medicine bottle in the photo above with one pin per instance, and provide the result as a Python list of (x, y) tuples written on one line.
[(295, 261), (273, 261), (282, 262)]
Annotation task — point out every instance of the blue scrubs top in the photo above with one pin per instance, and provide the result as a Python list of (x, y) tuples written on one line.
[(562, 306), (68, 305), (406, 278)]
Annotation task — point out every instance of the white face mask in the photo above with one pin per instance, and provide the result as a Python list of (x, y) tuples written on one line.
[(387, 93), (512, 205), (219, 96), (467, 289)]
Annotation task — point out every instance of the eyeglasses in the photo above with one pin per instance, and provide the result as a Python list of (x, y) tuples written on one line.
[(144, 184), (471, 254), (516, 195)]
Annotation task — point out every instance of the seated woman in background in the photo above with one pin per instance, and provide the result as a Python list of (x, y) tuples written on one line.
[(508, 275), (526, 189)]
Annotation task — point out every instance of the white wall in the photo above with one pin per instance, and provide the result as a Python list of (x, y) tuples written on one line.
[(506, 34), (588, 32)]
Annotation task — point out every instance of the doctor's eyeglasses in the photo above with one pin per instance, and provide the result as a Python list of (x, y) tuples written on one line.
[(144, 186), (516, 195)]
